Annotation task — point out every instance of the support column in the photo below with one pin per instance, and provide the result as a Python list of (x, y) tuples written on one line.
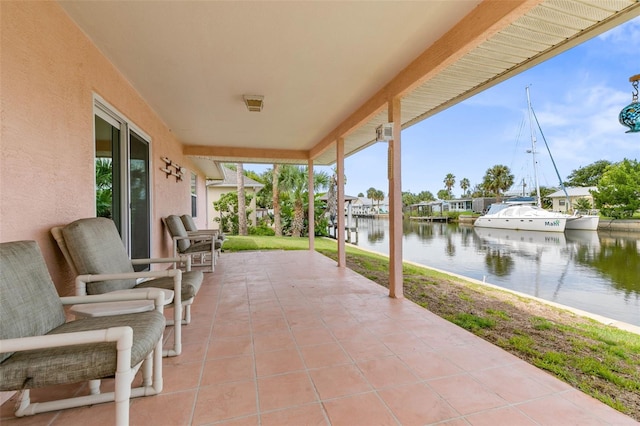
[(342, 256), (395, 203), (311, 212)]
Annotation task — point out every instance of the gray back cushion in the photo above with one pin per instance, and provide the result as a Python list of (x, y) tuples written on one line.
[(96, 248), (188, 223), (29, 302), (176, 229)]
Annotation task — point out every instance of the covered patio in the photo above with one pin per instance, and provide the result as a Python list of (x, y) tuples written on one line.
[(287, 338), (279, 337)]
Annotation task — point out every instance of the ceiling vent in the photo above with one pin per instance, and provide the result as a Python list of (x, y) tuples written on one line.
[(254, 103)]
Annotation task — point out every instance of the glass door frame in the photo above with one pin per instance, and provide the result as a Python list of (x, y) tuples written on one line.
[(107, 112)]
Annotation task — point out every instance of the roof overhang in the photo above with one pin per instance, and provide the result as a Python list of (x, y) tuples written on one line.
[(327, 70)]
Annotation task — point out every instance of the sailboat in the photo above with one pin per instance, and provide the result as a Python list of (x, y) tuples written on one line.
[(520, 216), (577, 221), (525, 216)]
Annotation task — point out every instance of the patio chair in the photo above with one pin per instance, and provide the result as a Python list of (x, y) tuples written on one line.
[(39, 348), (201, 245), (94, 251), (193, 231)]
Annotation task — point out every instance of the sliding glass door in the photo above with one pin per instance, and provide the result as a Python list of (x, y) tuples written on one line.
[(122, 178)]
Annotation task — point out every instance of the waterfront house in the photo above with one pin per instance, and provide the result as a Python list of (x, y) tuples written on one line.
[(559, 198), (160, 91), (460, 205)]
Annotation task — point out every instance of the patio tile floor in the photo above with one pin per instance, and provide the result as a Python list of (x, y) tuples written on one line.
[(287, 338)]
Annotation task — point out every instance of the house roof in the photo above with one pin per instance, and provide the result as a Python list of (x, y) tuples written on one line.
[(231, 180), (327, 70), (574, 192)]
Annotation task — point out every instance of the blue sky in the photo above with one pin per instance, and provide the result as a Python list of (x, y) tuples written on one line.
[(577, 97)]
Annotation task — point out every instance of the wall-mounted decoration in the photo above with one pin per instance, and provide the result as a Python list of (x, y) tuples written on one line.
[(173, 169)]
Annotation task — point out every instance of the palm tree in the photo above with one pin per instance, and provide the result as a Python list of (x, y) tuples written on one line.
[(242, 205), (371, 193), (378, 196), (275, 184), (295, 181), (498, 179), (449, 182), (104, 185), (464, 185)]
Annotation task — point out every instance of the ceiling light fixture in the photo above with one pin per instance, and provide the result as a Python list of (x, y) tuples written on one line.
[(254, 103), (630, 115)]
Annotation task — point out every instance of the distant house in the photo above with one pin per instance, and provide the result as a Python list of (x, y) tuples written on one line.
[(215, 190), (460, 205), (559, 198), (367, 206), (362, 206)]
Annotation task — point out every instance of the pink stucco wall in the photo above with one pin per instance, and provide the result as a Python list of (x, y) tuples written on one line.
[(49, 71)]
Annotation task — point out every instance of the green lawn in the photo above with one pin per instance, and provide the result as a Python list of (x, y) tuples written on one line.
[(237, 243)]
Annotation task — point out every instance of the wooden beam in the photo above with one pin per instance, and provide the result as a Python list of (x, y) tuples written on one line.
[(342, 257), (395, 203), (311, 210), (246, 153)]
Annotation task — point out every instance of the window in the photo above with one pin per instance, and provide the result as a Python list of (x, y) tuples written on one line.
[(122, 178), (194, 195)]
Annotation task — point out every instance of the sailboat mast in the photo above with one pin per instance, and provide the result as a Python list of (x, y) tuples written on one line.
[(533, 150)]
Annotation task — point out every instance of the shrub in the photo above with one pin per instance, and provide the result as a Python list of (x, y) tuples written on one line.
[(262, 230)]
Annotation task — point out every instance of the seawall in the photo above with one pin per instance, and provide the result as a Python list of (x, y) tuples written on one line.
[(619, 225)]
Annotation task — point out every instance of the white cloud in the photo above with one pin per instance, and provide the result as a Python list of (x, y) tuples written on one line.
[(623, 34)]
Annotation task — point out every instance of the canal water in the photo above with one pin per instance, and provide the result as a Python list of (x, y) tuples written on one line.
[(597, 272)]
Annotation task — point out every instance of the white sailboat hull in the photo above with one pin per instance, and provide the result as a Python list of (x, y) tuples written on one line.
[(523, 217), (583, 223), (535, 224)]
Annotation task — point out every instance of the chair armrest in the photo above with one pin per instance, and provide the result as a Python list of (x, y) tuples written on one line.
[(198, 237), (122, 335), (203, 232), (82, 280), (158, 260), (181, 258), (149, 294)]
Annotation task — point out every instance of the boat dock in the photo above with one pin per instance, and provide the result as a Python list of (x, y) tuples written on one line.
[(444, 219)]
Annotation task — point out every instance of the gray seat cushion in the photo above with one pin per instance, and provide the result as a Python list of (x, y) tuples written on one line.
[(29, 303), (191, 282), (72, 364), (199, 247)]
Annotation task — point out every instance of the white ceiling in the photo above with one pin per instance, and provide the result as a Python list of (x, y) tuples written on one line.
[(316, 62)]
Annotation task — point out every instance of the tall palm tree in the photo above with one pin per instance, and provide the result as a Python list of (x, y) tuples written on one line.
[(275, 185), (378, 196), (295, 181), (242, 205), (371, 194), (464, 185), (498, 179), (449, 182)]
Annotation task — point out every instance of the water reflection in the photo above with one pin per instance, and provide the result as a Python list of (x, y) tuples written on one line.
[(597, 272), (616, 256), (375, 231)]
